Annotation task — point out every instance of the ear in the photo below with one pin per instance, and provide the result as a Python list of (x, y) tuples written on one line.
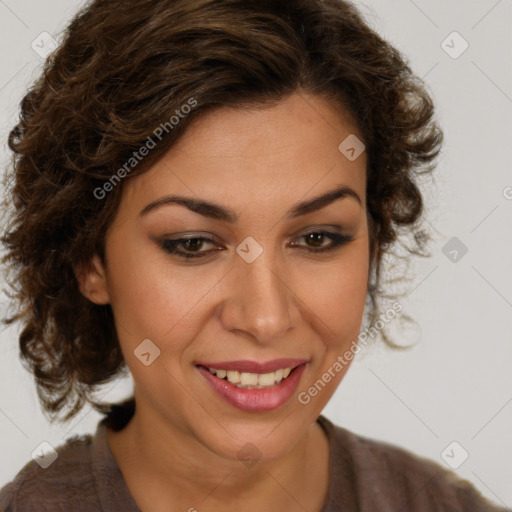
[(92, 281)]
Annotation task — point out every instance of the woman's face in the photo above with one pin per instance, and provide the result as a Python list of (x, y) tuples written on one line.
[(261, 284)]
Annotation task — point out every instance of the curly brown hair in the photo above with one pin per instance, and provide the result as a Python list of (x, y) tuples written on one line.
[(121, 70)]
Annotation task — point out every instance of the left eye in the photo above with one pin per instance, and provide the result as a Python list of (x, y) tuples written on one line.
[(192, 246), (318, 237)]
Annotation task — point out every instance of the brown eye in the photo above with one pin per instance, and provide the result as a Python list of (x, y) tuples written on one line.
[(315, 241), (193, 244), (191, 247)]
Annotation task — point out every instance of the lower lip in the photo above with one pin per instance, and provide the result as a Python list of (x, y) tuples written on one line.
[(255, 400)]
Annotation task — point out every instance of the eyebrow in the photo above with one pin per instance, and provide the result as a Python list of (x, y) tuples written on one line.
[(218, 212)]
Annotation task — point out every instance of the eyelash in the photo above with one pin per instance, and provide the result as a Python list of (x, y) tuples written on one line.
[(338, 241)]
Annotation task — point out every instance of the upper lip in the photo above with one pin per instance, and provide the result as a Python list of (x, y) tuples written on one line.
[(254, 366)]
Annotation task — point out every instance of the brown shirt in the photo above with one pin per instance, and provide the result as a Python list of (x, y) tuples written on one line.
[(365, 476)]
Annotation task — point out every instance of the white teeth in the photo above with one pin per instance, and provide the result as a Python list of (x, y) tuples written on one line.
[(267, 379), (248, 380), (233, 376)]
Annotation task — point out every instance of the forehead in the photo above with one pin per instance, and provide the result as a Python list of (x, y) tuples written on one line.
[(257, 155), (298, 125)]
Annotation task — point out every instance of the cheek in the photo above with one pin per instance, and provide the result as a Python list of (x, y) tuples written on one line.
[(149, 294), (337, 299), (336, 293)]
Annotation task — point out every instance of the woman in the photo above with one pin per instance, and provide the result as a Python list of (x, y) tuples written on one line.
[(204, 193)]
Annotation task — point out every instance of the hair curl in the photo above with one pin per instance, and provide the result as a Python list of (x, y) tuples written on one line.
[(123, 67)]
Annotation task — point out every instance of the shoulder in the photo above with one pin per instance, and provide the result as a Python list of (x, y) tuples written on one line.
[(386, 477), (68, 479)]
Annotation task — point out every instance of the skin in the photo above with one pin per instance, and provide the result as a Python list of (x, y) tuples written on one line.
[(181, 446)]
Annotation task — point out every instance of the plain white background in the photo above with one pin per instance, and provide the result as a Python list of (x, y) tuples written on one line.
[(456, 383)]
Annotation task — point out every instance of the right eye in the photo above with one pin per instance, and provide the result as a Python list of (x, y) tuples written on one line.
[(191, 246)]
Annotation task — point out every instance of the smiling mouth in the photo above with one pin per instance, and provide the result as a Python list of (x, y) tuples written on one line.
[(246, 380), (254, 386)]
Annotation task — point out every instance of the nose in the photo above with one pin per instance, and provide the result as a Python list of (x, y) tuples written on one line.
[(260, 302)]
